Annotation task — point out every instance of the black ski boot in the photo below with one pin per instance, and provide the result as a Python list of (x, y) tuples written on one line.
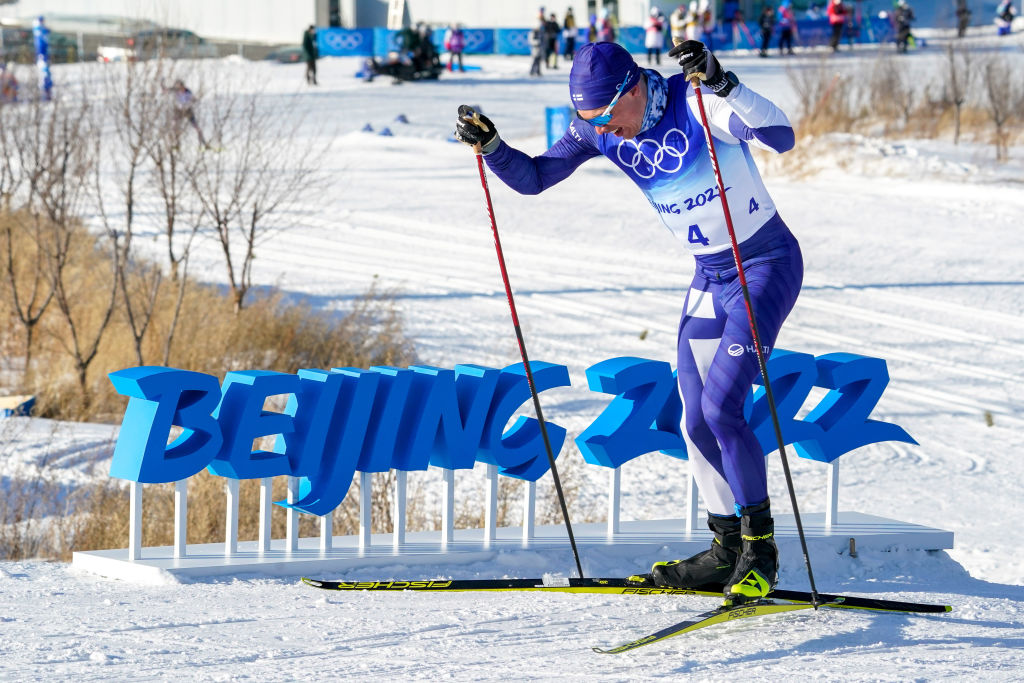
[(757, 570), (709, 569)]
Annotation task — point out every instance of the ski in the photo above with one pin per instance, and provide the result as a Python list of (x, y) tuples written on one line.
[(710, 618), (617, 587), (608, 586)]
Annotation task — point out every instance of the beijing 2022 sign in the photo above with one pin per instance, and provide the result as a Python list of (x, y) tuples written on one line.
[(349, 420)]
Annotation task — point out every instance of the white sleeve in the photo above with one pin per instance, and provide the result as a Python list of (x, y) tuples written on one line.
[(754, 111)]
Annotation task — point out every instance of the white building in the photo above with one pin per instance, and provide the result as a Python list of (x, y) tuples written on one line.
[(283, 21)]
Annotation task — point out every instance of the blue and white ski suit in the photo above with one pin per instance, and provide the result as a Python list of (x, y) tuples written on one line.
[(670, 163)]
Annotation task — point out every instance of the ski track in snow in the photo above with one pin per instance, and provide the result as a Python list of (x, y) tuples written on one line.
[(902, 262)]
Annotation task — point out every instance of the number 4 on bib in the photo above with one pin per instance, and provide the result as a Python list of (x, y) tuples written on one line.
[(697, 237), (754, 206)]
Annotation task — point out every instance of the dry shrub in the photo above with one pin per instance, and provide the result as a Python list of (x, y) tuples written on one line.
[(827, 99), (274, 333), (104, 522), (38, 518), (969, 95)]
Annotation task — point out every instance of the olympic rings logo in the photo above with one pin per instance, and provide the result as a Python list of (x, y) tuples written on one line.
[(342, 40), (517, 39), (474, 39), (648, 156)]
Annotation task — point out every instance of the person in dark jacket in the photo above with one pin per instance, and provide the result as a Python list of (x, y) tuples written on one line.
[(963, 18), (902, 16), (551, 31), (310, 52), (767, 24), (569, 35), (537, 45)]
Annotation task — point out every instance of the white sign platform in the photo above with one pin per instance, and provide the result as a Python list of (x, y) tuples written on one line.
[(315, 557)]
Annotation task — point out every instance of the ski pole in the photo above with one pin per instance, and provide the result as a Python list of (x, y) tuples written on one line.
[(695, 79), (526, 363)]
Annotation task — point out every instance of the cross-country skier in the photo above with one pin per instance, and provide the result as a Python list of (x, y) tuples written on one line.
[(1005, 13), (902, 16), (185, 108), (649, 127)]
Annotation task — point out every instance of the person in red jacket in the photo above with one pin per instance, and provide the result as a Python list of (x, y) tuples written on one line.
[(836, 19)]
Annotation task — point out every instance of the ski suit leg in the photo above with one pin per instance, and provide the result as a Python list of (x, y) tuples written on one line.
[(700, 333), (717, 364)]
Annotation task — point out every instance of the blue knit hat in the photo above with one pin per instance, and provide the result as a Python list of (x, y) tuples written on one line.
[(598, 69)]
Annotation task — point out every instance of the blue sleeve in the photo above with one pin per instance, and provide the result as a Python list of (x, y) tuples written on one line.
[(533, 175), (779, 138)]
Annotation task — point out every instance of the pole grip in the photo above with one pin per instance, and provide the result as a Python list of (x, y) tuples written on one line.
[(694, 78)]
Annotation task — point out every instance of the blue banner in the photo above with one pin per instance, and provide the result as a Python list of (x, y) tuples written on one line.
[(632, 38), (479, 41), (344, 42), (557, 119), (512, 41), (384, 41), (339, 42)]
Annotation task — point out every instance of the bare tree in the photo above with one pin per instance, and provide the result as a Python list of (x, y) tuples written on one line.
[(11, 175), (250, 189), (895, 89), (823, 97), (173, 166), (958, 83), (1004, 97), (131, 96), (39, 150), (145, 152), (72, 177)]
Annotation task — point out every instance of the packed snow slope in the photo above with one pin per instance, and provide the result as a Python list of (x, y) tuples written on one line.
[(912, 254)]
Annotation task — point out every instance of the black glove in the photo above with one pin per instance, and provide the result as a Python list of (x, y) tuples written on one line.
[(476, 130), (696, 59)]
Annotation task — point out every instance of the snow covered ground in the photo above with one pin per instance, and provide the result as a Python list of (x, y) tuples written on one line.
[(912, 253)]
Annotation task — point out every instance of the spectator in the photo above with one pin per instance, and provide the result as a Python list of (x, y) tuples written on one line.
[(963, 18), (310, 52), (814, 12), (693, 22), (551, 31), (592, 29), (836, 19), (454, 43), (1005, 13), (569, 35), (8, 85), (605, 28), (429, 58), (766, 22), (707, 23), (654, 35), (185, 108), (787, 24), (537, 45), (729, 11), (901, 18), (408, 42), (677, 21)]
